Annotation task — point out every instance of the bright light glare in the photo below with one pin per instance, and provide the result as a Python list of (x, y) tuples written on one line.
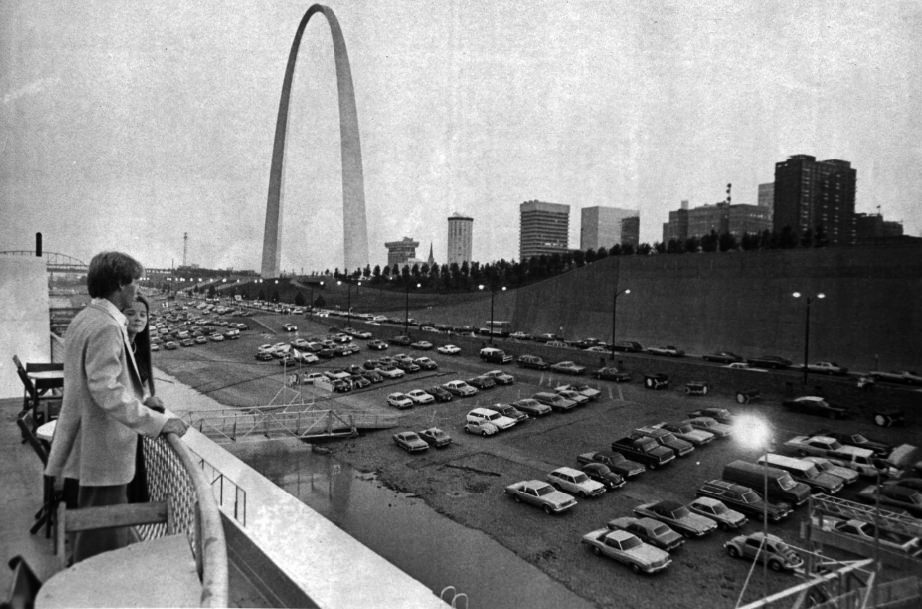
[(751, 431)]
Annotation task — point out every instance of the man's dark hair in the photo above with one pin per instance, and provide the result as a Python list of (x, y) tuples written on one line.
[(109, 271)]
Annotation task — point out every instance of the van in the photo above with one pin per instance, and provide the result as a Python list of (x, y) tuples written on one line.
[(781, 487), (494, 355), (804, 471), (481, 415), (861, 460)]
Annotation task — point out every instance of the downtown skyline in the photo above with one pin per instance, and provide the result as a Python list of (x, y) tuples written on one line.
[(130, 125)]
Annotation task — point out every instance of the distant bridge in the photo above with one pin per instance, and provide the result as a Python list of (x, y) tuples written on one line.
[(56, 262)]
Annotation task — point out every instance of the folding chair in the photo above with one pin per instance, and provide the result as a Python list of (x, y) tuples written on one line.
[(45, 406), (24, 586), (50, 496), (104, 517)]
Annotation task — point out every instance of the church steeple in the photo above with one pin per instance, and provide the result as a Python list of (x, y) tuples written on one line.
[(431, 260)]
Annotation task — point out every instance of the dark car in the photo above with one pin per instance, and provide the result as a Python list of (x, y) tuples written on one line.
[(812, 404), (881, 449), (482, 382), (610, 373), (377, 345), (629, 346), (602, 473), (615, 462), (770, 361), (401, 340), (656, 381), (723, 357), (900, 498), (532, 361), (744, 500), (372, 376), (439, 393)]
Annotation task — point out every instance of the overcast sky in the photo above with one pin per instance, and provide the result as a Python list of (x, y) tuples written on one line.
[(127, 124)]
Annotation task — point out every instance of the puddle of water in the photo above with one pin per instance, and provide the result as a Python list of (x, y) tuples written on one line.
[(431, 547)]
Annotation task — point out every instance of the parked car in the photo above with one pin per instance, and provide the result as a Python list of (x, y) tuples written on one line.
[(399, 400), (508, 410), (665, 438), (581, 388), (723, 357), (826, 466), (532, 361), (603, 474), (422, 345), (410, 441), (909, 377), (376, 344), (426, 363), (290, 327), (541, 494), (575, 482), (372, 376), (610, 373), (614, 461), (667, 350), (481, 382), (768, 548), (532, 407), (263, 356), (650, 531), (434, 436), (678, 516), (769, 361), (568, 367), (744, 366), (744, 500), (460, 388), (721, 415), (389, 371), (483, 428), (870, 534), (900, 498), (629, 346), (717, 510), (827, 368), (579, 398), (439, 393), (500, 377), (494, 355), (402, 340), (556, 402), (860, 440), (687, 432), (627, 548), (813, 404), (710, 425), (449, 349), (420, 397), (486, 414)]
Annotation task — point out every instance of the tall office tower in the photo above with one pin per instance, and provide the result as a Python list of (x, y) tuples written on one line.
[(460, 239), (543, 229), (817, 196), (767, 195), (400, 252), (630, 231), (677, 226), (604, 226)]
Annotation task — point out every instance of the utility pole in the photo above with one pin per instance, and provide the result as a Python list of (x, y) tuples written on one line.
[(185, 247)]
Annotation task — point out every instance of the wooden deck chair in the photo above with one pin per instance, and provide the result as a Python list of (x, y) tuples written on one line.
[(104, 517)]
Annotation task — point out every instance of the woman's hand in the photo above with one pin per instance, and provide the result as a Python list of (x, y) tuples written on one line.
[(154, 403)]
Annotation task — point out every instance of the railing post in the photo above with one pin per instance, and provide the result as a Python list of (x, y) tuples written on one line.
[(199, 543)]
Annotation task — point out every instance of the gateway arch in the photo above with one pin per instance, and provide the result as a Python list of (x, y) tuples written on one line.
[(355, 237)]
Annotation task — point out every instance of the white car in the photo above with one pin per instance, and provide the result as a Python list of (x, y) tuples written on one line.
[(744, 366), (500, 377), (575, 482), (483, 428), (491, 416), (574, 396), (420, 397), (308, 378), (590, 392), (711, 425), (460, 388), (399, 400), (449, 349), (391, 372), (828, 467)]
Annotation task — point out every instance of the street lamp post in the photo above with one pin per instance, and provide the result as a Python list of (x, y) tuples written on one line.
[(349, 300), (492, 296), (311, 304), (406, 309), (809, 300), (754, 432), (614, 310)]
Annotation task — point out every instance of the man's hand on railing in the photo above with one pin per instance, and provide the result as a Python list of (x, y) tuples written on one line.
[(177, 426)]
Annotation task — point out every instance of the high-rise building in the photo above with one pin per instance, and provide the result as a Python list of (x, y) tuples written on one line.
[(817, 196), (460, 239), (543, 228), (767, 195), (873, 226), (605, 227), (630, 231), (401, 252), (736, 219)]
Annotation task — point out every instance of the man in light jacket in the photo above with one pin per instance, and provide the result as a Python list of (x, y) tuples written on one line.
[(96, 437)]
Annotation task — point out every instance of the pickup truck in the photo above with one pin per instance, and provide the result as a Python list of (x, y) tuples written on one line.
[(644, 450), (818, 446)]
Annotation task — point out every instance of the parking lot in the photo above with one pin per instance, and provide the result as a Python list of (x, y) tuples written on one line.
[(466, 480)]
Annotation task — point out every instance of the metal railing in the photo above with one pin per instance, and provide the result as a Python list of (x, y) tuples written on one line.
[(174, 476), (235, 424), (226, 491)]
